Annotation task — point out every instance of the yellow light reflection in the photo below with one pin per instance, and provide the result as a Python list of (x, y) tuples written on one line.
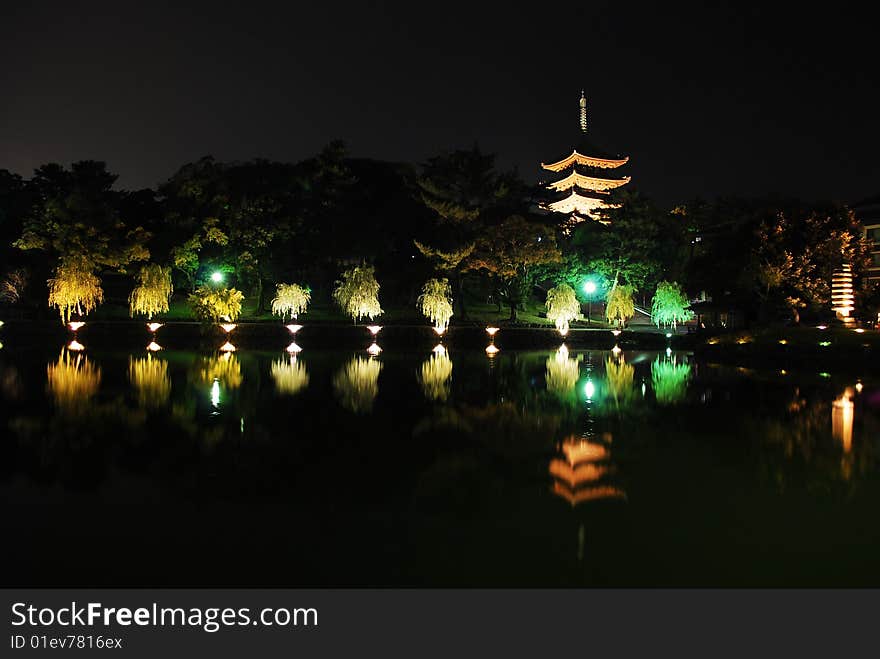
[(357, 384), (491, 350), (152, 346), (72, 380), (227, 347), (434, 376), (75, 346), (561, 372), (842, 416), (293, 348), (290, 375), (374, 349), (149, 376)]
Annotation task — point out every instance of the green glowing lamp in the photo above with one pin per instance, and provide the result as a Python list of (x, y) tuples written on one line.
[(216, 277), (589, 287)]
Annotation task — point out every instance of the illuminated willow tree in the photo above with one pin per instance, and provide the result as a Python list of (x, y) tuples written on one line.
[(213, 305), (153, 291), (619, 305), (562, 306), (75, 288), (435, 302), (290, 300), (670, 305), (357, 293)]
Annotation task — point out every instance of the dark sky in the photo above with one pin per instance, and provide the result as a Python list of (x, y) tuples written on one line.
[(706, 102)]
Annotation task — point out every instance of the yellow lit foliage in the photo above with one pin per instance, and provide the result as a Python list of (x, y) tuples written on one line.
[(216, 304), (290, 375), (435, 302), (75, 288), (357, 293), (72, 380), (290, 300), (357, 384), (434, 376), (620, 306), (562, 306), (153, 291)]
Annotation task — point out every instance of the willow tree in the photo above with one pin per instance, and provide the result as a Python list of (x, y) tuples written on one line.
[(290, 300), (562, 306), (153, 291), (75, 288), (670, 305), (216, 304), (357, 293), (619, 305), (435, 302)]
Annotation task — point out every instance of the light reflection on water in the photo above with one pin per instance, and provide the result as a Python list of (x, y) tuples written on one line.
[(455, 445)]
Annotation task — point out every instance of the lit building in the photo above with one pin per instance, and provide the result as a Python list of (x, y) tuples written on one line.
[(582, 183), (868, 213)]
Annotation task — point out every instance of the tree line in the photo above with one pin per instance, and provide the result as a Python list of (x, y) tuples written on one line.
[(443, 235)]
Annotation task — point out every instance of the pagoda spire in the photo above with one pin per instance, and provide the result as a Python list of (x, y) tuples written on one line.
[(583, 104)]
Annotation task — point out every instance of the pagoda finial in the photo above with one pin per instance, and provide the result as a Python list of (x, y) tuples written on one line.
[(583, 104)]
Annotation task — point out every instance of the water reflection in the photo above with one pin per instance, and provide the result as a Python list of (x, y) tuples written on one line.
[(669, 379), (72, 380), (149, 376), (561, 373), (435, 375), (581, 473), (842, 415), (619, 378), (223, 369), (290, 375), (357, 384)]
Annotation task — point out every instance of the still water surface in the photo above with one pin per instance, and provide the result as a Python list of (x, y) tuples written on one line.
[(544, 468)]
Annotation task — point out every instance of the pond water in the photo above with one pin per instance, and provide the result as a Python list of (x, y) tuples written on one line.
[(530, 468)]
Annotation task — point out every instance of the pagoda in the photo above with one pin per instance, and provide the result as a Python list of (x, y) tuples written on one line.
[(583, 184)]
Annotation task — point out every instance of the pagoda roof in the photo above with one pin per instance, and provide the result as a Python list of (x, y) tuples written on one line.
[(587, 183), (587, 153), (575, 201)]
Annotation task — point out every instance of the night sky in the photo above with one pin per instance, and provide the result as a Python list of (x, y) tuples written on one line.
[(734, 101)]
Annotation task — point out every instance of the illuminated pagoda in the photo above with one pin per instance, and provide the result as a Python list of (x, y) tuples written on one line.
[(583, 183), (581, 473)]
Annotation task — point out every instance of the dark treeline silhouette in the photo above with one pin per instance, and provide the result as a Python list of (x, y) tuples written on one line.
[(455, 216)]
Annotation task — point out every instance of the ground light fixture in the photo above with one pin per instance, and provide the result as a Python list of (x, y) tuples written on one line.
[(228, 327), (293, 329), (76, 325), (492, 349), (374, 329), (615, 332), (440, 330)]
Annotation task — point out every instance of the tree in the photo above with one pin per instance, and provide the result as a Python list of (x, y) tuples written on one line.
[(357, 293), (625, 250), (75, 218), (619, 305), (216, 304), (75, 288), (290, 300), (466, 195), (153, 291), (435, 302), (562, 306), (670, 305), (509, 254)]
